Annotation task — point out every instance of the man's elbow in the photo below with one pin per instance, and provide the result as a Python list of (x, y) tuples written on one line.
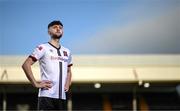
[(23, 65), (27, 63)]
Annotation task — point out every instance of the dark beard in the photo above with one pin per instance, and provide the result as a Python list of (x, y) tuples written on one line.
[(56, 37)]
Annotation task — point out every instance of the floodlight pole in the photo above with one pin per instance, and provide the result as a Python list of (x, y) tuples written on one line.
[(69, 101), (134, 101), (4, 75), (4, 101)]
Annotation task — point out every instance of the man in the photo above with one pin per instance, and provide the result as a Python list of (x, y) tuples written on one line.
[(55, 66)]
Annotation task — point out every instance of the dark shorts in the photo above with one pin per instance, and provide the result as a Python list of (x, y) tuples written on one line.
[(46, 103)]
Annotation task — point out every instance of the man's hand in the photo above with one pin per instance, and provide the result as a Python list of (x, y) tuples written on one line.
[(45, 84), (66, 87)]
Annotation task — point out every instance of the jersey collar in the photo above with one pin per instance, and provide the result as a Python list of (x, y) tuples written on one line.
[(54, 46)]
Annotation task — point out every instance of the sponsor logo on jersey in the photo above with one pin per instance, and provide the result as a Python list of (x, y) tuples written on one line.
[(59, 58)]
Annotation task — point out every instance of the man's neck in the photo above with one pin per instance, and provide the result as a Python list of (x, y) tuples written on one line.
[(55, 42)]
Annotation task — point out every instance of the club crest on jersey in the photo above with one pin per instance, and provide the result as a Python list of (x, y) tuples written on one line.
[(65, 53)]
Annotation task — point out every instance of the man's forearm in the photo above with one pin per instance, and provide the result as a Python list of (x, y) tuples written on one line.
[(69, 78)]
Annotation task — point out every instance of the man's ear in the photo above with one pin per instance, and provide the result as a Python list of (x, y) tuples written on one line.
[(49, 32)]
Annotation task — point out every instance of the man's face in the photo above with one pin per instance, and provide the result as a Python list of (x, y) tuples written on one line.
[(56, 31)]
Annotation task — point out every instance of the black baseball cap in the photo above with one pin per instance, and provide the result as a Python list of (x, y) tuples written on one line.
[(55, 22)]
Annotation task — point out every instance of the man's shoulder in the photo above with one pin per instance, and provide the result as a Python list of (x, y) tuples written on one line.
[(42, 45), (65, 49)]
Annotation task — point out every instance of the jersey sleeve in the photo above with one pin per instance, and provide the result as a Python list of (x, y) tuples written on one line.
[(70, 60), (38, 52)]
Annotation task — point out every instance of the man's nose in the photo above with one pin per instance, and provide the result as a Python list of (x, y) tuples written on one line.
[(58, 29)]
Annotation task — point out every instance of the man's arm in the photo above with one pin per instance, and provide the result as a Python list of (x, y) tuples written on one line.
[(68, 79), (28, 71)]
